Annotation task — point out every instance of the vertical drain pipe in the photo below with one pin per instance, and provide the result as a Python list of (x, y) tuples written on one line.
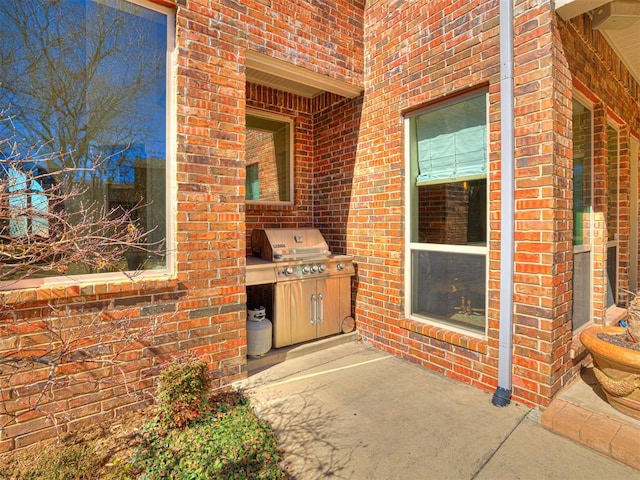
[(502, 395)]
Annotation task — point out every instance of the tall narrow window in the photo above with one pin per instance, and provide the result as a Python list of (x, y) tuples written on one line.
[(582, 201), (447, 162), (85, 85), (613, 156)]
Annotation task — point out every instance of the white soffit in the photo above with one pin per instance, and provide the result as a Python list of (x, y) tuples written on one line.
[(624, 42), (272, 72), (568, 9)]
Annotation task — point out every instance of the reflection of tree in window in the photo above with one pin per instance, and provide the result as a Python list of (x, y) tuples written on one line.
[(88, 78)]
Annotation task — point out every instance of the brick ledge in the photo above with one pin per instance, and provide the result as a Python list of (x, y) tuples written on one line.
[(600, 432), (449, 336)]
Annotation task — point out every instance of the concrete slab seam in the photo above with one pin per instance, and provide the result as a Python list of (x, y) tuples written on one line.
[(323, 372), (495, 450)]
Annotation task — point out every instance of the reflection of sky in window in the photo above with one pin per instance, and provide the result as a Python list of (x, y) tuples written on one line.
[(87, 76), (143, 39)]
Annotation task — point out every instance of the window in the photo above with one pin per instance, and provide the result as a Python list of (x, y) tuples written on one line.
[(27, 205), (447, 209), (613, 221), (85, 85), (269, 148), (582, 201)]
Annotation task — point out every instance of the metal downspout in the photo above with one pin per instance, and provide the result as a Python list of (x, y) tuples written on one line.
[(502, 395)]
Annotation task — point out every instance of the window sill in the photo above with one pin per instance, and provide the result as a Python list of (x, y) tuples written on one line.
[(458, 339), (256, 207), (94, 287)]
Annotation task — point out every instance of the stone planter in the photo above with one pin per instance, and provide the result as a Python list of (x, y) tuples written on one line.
[(617, 369)]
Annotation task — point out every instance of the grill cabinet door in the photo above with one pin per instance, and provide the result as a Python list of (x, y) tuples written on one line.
[(304, 302), (328, 293)]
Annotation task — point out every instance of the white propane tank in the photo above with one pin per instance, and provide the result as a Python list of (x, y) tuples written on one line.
[(259, 332)]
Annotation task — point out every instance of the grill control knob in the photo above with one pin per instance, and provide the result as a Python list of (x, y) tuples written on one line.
[(340, 266), (305, 269), (288, 271), (322, 268), (314, 268)]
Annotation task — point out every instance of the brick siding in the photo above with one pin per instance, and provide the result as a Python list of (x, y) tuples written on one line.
[(203, 308), (349, 170)]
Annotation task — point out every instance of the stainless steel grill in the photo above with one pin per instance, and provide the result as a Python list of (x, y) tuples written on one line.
[(311, 286), (289, 244)]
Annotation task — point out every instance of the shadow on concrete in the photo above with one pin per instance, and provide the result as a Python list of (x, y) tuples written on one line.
[(308, 432)]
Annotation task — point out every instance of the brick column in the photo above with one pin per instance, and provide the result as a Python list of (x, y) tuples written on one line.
[(543, 202)]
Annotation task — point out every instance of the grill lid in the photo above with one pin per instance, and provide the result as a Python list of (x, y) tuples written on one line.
[(286, 244)]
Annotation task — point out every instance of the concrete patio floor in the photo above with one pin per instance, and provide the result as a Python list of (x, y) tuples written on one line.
[(345, 410)]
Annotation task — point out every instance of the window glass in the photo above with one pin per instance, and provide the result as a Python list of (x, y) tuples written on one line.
[(613, 146), (268, 156), (582, 201), (612, 183), (452, 142), (581, 173), (450, 287), (581, 289), (453, 213), (87, 79), (448, 213)]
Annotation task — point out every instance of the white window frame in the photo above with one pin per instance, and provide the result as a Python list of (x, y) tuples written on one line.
[(254, 112), (170, 180), (410, 247)]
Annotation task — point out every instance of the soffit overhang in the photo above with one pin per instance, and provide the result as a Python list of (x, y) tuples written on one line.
[(275, 73), (623, 41)]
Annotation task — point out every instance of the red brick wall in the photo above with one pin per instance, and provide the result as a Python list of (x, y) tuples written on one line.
[(603, 79), (325, 140), (543, 226), (349, 173), (203, 308), (300, 110), (422, 52), (324, 36), (411, 59), (336, 127), (116, 376)]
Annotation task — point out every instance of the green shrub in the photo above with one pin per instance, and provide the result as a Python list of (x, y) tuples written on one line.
[(183, 392), (227, 445)]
